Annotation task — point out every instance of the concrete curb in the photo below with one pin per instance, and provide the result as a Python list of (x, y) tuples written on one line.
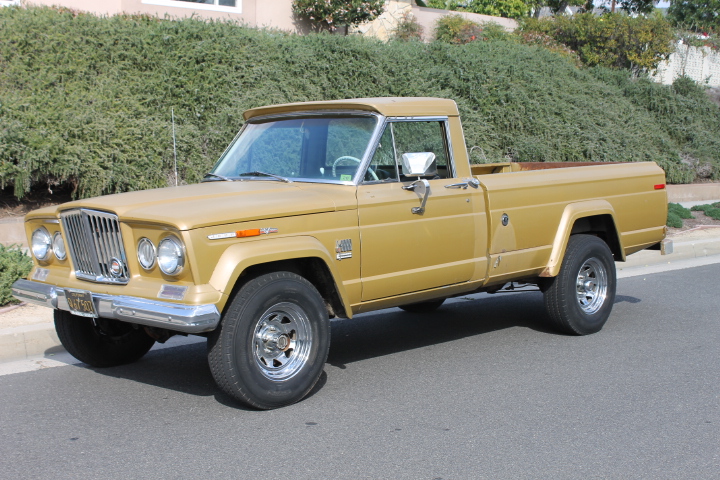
[(28, 341), (38, 336)]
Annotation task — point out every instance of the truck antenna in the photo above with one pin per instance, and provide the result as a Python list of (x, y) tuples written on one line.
[(172, 116)]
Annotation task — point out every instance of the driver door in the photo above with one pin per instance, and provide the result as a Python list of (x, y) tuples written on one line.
[(402, 251)]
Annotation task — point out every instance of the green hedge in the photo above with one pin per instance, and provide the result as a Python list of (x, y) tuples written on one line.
[(14, 264), (85, 101)]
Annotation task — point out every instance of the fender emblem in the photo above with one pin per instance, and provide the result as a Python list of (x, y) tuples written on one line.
[(343, 248)]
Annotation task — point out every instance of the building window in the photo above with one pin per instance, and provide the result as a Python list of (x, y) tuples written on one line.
[(230, 6)]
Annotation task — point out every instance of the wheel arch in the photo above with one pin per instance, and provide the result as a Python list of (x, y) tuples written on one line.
[(305, 256), (594, 217)]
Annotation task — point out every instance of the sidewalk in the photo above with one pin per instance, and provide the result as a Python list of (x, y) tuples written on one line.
[(28, 330)]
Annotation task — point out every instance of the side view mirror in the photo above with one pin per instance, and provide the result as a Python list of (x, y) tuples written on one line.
[(419, 164)]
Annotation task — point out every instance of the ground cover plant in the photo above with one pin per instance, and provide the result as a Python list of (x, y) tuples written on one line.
[(676, 214), (85, 102), (712, 210)]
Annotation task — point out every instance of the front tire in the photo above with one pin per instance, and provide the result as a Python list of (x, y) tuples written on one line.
[(100, 342), (270, 348), (579, 300)]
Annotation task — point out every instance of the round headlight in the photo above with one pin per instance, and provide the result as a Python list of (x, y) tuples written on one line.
[(146, 253), (59, 246), (41, 243), (171, 256)]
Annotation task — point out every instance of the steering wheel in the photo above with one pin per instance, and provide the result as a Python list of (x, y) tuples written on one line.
[(356, 160)]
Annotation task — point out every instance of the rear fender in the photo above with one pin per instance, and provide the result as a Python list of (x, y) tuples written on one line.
[(571, 214)]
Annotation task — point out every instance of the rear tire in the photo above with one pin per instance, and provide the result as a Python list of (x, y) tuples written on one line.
[(423, 307), (270, 348), (579, 300), (100, 342)]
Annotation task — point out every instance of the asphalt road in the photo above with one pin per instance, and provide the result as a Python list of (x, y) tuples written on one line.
[(480, 389)]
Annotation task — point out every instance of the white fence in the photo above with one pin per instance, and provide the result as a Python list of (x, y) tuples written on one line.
[(702, 64)]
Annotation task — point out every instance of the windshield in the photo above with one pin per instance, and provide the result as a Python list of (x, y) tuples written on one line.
[(327, 148)]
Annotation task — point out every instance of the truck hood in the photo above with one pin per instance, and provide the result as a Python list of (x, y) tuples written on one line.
[(216, 203)]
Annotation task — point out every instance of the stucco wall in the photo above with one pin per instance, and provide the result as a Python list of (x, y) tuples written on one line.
[(105, 7), (395, 11), (255, 13)]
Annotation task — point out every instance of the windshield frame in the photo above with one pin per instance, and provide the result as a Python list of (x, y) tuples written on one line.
[(365, 160)]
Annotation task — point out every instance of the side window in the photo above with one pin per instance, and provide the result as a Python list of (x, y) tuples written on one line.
[(423, 137), (408, 137)]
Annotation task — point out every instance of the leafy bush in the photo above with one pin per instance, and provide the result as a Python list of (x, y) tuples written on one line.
[(698, 15), (496, 8), (328, 15), (14, 264), (549, 43), (611, 40), (457, 29), (85, 101), (408, 29)]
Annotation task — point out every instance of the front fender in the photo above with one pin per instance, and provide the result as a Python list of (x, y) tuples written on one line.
[(570, 215), (239, 257)]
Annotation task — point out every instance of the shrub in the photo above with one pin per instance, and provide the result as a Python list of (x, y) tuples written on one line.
[(14, 264), (496, 8), (408, 29), (611, 40), (711, 210), (673, 220), (328, 15), (700, 208), (698, 15), (457, 29), (549, 43), (713, 213), (679, 210)]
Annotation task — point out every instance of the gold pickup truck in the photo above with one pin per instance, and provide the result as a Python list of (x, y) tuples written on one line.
[(328, 209)]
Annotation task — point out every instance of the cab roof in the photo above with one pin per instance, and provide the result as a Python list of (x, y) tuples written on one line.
[(388, 106)]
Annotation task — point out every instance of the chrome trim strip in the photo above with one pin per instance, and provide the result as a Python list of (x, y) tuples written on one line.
[(153, 313), (370, 150)]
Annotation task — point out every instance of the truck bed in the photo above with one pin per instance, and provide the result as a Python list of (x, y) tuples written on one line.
[(539, 197)]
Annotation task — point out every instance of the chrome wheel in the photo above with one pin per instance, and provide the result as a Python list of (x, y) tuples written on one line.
[(282, 341), (592, 286)]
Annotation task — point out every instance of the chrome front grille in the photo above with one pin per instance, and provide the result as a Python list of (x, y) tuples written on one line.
[(95, 244)]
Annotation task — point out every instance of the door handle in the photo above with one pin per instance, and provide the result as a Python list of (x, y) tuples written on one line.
[(472, 182)]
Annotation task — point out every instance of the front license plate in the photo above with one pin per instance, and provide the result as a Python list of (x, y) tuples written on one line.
[(80, 303)]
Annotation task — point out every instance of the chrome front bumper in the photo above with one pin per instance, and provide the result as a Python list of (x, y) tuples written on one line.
[(153, 313)]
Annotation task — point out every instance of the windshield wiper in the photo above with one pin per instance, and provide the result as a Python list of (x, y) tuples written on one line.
[(215, 175), (263, 174)]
